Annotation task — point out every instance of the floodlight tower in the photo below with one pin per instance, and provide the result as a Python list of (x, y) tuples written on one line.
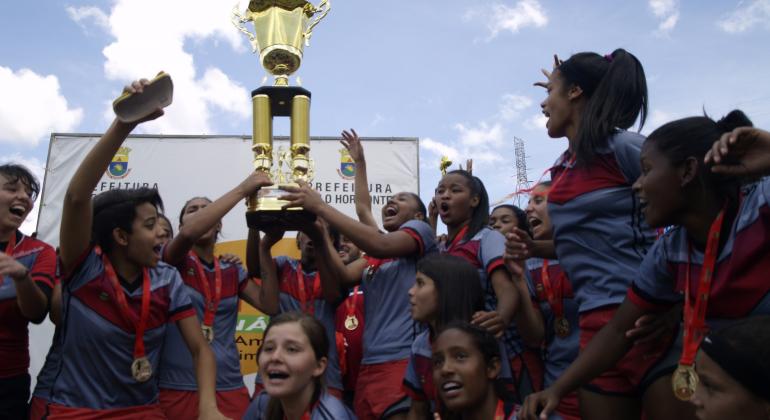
[(522, 182)]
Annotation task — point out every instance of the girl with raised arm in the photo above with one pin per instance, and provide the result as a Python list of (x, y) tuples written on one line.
[(388, 332), (214, 287), (118, 298)]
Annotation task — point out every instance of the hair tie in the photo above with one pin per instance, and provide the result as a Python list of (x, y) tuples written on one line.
[(608, 57)]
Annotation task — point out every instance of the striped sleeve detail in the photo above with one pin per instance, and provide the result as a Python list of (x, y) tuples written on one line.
[(182, 312), (416, 235), (494, 264)]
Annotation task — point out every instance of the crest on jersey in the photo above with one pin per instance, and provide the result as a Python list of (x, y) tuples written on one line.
[(118, 168)]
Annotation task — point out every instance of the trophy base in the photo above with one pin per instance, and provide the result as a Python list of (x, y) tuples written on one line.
[(269, 212)]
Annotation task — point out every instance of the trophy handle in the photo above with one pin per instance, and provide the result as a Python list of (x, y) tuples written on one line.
[(238, 20), (323, 8)]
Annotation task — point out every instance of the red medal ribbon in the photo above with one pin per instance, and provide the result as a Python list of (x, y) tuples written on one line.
[(350, 304), (695, 317), (553, 292), (140, 324), (500, 410), (210, 305), (306, 302)]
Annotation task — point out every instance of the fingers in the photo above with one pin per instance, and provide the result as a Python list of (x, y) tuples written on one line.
[(354, 133), (550, 406)]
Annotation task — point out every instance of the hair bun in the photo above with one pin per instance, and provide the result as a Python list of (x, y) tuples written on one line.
[(736, 118)]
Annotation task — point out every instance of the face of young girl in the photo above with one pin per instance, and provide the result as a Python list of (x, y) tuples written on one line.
[(537, 213), (423, 297), (348, 252), (15, 202), (557, 106), (287, 362), (194, 206), (719, 396), (454, 200), (399, 209), (144, 241), (460, 373), (658, 187), (165, 227), (503, 220)]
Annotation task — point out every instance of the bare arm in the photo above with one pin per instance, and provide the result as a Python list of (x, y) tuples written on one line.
[(528, 319), (200, 222), (507, 299), (252, 253), (76, 219), (269, 293), (205, 366), (363, 198), (32, 302), (368, 238)]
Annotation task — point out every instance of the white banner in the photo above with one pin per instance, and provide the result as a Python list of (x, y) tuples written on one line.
[(182, 167)]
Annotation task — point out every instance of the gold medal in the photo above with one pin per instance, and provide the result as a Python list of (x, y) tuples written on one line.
[(141, 369), (561, 327), (351, 322), (684, 381), (208, 332)]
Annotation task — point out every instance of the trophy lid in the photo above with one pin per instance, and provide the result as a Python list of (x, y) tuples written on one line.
[(257, 6)]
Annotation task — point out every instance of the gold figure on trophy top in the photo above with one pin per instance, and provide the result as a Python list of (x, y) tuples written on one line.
[(281, 29), (444, 164)]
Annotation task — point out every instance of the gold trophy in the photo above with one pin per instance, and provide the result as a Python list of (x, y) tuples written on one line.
[(282, 29)]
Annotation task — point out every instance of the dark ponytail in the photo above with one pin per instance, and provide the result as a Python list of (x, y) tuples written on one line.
[(615, 88), (693, 137)]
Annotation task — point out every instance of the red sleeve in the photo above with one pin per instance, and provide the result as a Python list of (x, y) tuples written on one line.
[(183, 312), (417, 237), (495, 264), (43, 270), (637, 298)]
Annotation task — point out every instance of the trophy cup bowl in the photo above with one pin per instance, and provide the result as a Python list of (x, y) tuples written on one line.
[(281, 30)]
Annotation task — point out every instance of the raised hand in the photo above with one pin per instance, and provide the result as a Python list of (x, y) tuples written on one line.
[(353, 144), (743, 151), (518, 245)]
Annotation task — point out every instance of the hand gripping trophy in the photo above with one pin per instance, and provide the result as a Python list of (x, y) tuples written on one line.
[(282, 29)]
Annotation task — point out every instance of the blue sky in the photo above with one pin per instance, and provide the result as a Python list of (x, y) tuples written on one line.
[(456, 74)]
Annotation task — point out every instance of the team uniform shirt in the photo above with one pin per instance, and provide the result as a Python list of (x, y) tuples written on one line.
[(48, 372), (740, 286), (40, 259), (599, 232), (418, 380), (323, 311), (559, 352), (98, 342), (485, 252), (326, 408), (177, 370), (388, 331)]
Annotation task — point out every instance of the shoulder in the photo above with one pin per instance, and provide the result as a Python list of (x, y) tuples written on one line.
[(421, 342), (418, 226), (329, 407)]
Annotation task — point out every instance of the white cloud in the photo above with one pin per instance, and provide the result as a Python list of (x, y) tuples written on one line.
[(438, 148), (668, 13), (146, 42), (747, 15), (512, 105), (535, 122), (38, 169), (81, 15), (31, 107), (483, 134), (500, 17)]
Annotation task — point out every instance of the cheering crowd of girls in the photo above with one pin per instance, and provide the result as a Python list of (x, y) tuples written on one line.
[(634, 285)]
